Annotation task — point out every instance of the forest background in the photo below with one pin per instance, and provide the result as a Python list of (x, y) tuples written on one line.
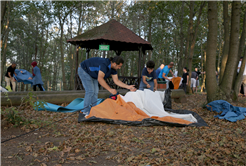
[(178, 32)]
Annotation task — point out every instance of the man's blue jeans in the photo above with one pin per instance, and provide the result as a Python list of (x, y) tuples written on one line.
[(144, 86), (91, 90)]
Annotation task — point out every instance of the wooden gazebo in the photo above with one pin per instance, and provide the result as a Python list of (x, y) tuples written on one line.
[(117, 36)]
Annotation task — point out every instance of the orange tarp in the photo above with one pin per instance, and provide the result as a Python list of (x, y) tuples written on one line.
[(176, 81), (120, 110)]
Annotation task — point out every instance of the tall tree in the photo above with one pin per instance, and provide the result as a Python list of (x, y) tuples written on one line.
[(211, 87)]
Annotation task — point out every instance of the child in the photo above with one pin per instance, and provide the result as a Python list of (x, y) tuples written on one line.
[(185, 78), (149, 77)]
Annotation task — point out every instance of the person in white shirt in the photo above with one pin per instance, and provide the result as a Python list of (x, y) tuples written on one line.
[(244, 81), (239, 64)]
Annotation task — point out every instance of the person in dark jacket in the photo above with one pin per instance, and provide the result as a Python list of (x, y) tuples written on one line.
[(93, 71), (185, 78), (9, 77)]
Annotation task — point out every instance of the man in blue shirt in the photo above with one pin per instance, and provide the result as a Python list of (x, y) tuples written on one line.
[(93, 71), (149, 78), (159, 69), (164, 72)]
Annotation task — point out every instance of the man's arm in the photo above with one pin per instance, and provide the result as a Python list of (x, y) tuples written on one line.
[(155, 86), (121, 84), (187, 80), (163, 75), (171, 72), (9, 73), (145, 82), (104, 84)]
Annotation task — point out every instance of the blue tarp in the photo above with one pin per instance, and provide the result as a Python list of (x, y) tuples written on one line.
[(75, 105), (229, 112), (23, 77)]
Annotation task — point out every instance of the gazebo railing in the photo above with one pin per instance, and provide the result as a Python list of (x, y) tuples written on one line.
[(125, 79)]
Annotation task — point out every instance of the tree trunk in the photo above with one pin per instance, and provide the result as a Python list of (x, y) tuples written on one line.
[(227, 81), (62, 58), (241, 47), (203, 75), (193, 37), (149, 33), (5, 43), (220, 45), (238, 80), (180, 67), (211, 84), (239, 77), (226, 40), (3, 11)]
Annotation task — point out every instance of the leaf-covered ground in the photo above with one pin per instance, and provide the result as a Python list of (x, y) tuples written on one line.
[(72, 143)]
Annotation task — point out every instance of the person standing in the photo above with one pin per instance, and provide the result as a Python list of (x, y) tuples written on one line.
[(239, 64), (185, 78), (198, 73), (93, 71), (159, 69), (164, 72), (9, 77), (36, 77), (194, 77), (244, 81), (149, 78)]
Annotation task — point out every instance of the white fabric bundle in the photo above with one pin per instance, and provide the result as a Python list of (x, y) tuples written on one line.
[(151, 103)]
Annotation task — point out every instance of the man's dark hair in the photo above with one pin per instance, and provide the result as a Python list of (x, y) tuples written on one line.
[(150, 64), (117, 59)]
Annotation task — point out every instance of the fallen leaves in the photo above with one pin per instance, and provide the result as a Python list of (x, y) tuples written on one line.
[(68, 142)]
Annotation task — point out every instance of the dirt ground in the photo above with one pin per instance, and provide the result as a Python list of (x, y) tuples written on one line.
[(71, 143)]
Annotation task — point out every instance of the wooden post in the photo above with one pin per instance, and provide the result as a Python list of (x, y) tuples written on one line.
[(139, 65), (76, 68)]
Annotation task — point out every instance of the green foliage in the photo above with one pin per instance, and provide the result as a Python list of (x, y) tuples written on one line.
[(13, 114)]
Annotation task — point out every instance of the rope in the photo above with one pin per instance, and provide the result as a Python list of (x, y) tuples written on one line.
[(47, 124)]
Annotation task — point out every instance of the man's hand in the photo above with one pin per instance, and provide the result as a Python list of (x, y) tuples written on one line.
[(113, 91), (13, 79), (30, 78), (16, 74), (132, 88), (187, 83), (148, 86), (155, 88), (21, 71)]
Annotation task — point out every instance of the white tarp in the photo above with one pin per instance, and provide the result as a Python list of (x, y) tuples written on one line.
[(151, 103)]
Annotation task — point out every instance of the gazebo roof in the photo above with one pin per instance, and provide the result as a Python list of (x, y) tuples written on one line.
[(112, 33)]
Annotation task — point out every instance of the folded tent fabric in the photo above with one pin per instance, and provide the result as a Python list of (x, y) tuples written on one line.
[(75, 105), (176, 82), (126, 111), (228, 111), (23, 77)]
